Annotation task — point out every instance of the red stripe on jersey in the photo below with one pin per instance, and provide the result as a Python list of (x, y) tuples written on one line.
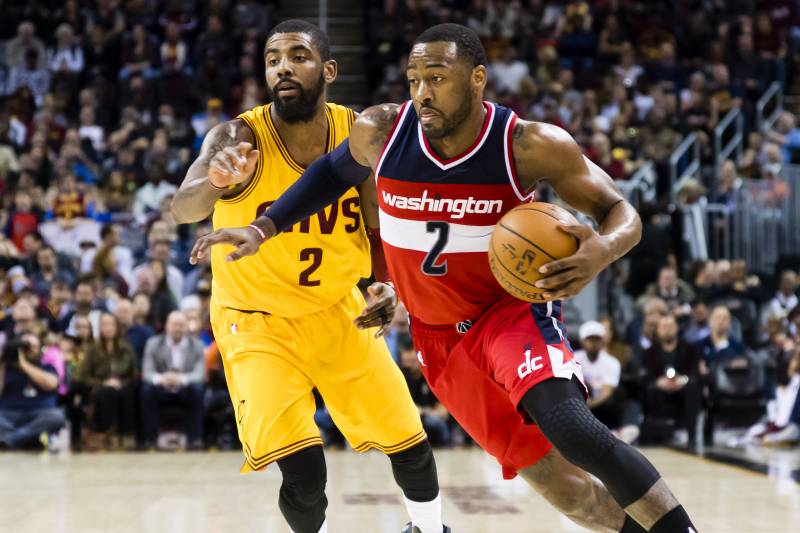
[(443, 299), (474, 205)]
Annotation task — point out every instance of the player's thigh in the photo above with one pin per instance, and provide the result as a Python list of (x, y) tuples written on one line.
[(367, 395), (272, 396), (482, 408), (528, 348)]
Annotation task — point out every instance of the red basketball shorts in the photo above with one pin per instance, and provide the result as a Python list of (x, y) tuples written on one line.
[(480, 376)]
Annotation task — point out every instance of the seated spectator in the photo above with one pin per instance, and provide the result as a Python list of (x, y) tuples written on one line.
[(108, 369), (434, 415), (147, 199), (22, 220), (672, 378), (698, 327), (671, 289), (641, 332), (135, 333), (785, 298), (173, 373), (86, 305), (601, 374), (719, 344), (28, 396), (47, 272)]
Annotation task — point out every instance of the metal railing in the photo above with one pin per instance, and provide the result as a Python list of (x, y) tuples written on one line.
[(641, 186), (323, 15), (773, 94), (734, 144), (680, 169), (760, 223)]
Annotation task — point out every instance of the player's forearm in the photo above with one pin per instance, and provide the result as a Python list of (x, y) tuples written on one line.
[(621, 229), (324, 182), (195, 200)]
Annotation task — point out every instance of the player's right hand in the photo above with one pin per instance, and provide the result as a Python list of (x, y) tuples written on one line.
[(232, 165), (247, 241)]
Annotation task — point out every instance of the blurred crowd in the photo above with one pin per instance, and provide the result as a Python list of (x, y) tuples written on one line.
[(104, 323)]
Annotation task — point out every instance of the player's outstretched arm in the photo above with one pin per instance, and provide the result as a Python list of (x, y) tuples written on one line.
[(225, 165), (546, 152), (323, 182)]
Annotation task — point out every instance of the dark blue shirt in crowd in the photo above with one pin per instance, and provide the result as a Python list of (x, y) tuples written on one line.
[(137, 336), (19, 392), (712, 354)]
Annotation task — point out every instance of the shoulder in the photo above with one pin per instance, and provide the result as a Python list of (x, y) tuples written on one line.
[(529, 134), (611, 361), (371, 130)]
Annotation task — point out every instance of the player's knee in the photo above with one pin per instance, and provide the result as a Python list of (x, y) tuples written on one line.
[(304, 478), (414, 471)]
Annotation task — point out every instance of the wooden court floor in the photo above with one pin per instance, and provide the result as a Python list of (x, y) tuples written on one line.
[(204, 493)]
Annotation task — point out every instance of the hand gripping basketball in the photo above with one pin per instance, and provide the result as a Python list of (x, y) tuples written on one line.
[(232, 165)]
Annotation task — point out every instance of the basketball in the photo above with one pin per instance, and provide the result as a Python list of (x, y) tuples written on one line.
[(526, 238)]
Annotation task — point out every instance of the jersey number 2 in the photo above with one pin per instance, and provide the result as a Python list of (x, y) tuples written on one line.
[(315, 256), (429, 265)]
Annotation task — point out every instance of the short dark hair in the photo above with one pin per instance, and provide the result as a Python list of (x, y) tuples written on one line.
[(468, 45), (318, 37), (106, 230)]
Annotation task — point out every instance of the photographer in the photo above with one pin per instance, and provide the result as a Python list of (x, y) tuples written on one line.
[(27, 394)]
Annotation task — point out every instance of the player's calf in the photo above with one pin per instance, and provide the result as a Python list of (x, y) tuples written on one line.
[(559, 409), (302, 497), (414, 471)]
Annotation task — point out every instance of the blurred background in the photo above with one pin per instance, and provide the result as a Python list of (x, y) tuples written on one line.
[(690, 105)]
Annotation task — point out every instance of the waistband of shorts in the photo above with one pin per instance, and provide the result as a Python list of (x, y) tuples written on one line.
[(419, 327)]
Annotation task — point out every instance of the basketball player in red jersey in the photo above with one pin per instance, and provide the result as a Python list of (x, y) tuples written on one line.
[(448, 166)]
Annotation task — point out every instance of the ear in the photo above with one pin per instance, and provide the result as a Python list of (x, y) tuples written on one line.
[(329, 71), (479, 77)]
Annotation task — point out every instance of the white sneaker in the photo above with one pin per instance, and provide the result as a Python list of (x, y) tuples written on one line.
[(787, 435)]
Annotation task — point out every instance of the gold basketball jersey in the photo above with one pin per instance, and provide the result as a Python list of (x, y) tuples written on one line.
[(310, 266)]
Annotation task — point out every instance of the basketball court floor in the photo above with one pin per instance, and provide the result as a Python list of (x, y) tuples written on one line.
[(204, 493)]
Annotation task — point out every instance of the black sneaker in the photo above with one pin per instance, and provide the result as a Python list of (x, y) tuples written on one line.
[(414, 529)]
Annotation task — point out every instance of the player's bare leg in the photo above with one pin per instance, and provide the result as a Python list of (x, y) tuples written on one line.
[(560, 411), (576, 494)]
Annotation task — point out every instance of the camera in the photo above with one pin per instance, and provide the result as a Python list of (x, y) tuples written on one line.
[(12, 349)]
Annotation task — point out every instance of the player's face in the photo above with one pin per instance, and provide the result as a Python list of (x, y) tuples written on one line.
[(443, 87), (296, 75)]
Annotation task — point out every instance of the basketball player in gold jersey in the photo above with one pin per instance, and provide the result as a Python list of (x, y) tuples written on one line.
[(290, 318)]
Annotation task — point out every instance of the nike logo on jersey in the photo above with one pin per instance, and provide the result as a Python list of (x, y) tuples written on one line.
[(457, 207)]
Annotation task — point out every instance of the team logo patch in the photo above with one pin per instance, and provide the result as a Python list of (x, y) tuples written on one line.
[(531, 364)]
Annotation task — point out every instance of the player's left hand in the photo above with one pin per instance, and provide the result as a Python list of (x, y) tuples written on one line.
[(247, 241), (381, 304), (567, 277)]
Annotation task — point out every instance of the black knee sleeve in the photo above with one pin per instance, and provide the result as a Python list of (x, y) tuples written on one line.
[(302, 497), (561, 413), (414, 471)]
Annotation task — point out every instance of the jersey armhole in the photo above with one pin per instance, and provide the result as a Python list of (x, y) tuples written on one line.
[(244, 193), (511, 166), (401, 115)]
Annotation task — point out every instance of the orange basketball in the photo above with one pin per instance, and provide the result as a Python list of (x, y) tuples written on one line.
[(526, 238)]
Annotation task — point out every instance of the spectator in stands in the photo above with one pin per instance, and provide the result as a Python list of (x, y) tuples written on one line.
[(173, 373), (148, 198), (698, 327), (672, 378), (28, 397), (785, 298), (29, 74), (740, 293), (23, 220), (601, 373), (139, 54), (508, 71), (671, 289), (86, 305), (67, 55), (59, 304), (47, 272), (434, 415), (108, 369), (642, 332), (135, 333), (719, 344)]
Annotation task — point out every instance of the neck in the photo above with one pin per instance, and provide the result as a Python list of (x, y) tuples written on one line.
[(464, 136), (718, 336), (303, 135)]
